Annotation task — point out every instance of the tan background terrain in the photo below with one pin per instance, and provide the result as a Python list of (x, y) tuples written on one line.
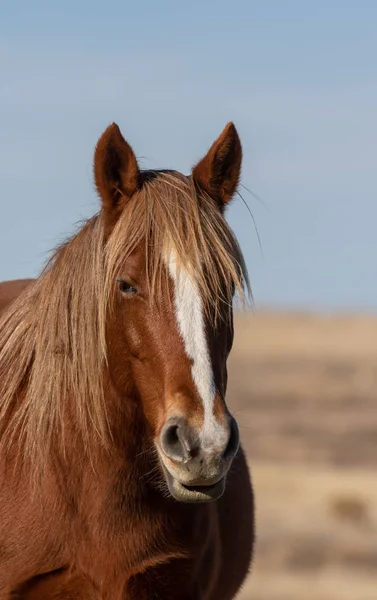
[(304, 391)]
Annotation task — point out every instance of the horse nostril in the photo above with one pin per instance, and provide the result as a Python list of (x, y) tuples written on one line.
[(171, 436), (178, 441), (234, 440)]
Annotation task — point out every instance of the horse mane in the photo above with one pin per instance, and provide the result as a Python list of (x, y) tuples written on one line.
[(53, 337)]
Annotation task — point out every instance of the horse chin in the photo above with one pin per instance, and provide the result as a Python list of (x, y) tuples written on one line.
[(194, 493)]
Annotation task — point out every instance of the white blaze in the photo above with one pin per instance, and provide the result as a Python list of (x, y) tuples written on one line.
[(190, 318)]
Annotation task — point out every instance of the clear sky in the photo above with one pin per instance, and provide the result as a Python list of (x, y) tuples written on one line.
[(298, 78)]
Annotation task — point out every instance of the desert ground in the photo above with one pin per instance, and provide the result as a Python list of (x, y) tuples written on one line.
[(304, 391)]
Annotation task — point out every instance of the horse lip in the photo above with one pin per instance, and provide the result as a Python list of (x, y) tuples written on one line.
[(202, 489), (200, 493), (202, 483), (195, 492)]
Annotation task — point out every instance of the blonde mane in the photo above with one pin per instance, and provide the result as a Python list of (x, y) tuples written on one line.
[(53, 337)]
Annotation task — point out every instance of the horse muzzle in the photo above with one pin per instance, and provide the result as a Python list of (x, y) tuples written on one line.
[(195, 464)]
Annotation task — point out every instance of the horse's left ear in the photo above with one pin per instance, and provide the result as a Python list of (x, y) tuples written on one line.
[(218, 173), (116, 171)]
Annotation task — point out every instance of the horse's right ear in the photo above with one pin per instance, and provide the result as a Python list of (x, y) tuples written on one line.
[(116, 171)]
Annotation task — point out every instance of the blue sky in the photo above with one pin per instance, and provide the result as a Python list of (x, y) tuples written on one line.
[(299, 79)]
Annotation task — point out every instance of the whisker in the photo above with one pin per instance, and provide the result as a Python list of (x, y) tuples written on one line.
[(262, 202), (254, 221), (150, 449), (145, 476)]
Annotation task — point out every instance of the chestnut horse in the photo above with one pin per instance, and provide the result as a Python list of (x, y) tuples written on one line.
[(121, 472)]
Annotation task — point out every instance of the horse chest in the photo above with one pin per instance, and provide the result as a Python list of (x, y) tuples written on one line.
[(130, 551)]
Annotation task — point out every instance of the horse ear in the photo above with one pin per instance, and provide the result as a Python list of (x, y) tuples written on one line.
[(116, 171), (218, 173)]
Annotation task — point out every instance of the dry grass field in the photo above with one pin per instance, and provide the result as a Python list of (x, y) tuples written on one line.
[(304, 390)]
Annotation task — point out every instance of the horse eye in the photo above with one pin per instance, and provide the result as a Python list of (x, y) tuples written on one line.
[(126, 288)]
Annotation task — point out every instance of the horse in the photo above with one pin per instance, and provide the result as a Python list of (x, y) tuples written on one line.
[(9, 290), (122, 473)]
